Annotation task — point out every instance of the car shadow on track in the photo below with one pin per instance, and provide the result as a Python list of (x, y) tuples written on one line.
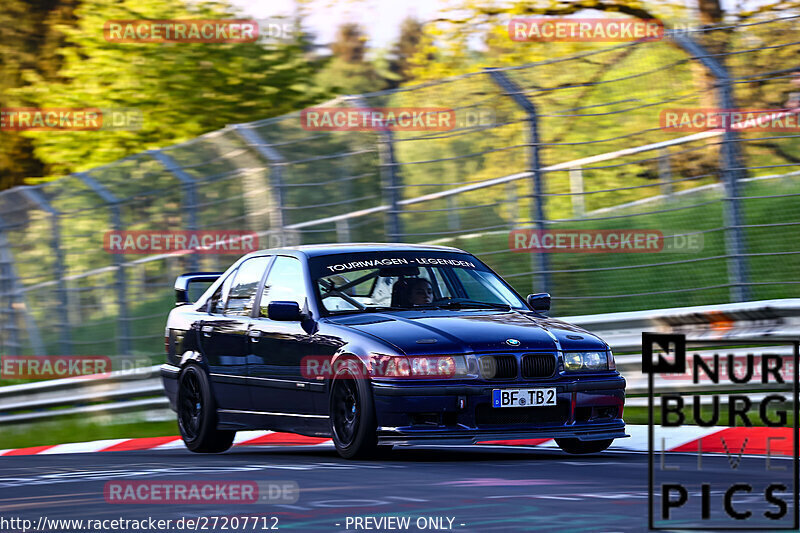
[(404, 454)]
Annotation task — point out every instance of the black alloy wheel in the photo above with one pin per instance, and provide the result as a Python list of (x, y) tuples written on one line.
[(197, 413)]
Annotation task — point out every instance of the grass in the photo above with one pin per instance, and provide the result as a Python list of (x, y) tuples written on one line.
[(675, 284), (75, 429), (639, 415)]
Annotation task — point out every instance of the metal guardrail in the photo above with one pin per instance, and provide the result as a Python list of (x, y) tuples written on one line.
[(764, 318), (141, 391), (138, 390)]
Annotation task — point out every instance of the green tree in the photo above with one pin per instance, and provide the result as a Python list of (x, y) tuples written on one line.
[(404, 50), (182, 89), (29, 38), (349, 71)]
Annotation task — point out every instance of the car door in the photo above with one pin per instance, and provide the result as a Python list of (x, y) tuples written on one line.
[(278, 347), (224, 334)]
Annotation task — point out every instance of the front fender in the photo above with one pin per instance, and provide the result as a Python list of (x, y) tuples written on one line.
[(193, 356)]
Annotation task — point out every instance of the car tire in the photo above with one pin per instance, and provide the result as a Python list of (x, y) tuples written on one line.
[(197, 413), (580, 447), (352, 418)]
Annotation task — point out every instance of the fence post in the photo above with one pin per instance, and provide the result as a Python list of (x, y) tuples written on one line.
[(343, 230), (65, 336), (665, 173), (453, 220), (276, 161), (534, 167), (576, 188), (391, 180), (17, 295), (732, 169), (121, 284), (189, 196), (513, 203), (7, 284)]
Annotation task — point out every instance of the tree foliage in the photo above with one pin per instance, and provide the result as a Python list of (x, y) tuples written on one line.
[(182, 89), (29, 40), (350, 71)]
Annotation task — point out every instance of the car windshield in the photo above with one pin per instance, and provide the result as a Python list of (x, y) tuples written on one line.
[(397, 281)]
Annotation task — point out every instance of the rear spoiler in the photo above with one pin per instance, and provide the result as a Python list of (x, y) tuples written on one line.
[(183, 281)]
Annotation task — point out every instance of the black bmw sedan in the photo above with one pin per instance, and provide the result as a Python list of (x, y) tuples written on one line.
[(378, 345)]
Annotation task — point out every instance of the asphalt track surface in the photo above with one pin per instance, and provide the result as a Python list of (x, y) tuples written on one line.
[(479, 488)]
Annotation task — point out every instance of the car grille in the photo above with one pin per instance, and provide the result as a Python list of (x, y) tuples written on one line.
[(539, 365), (486, 415), (506, 366), (498, 366)]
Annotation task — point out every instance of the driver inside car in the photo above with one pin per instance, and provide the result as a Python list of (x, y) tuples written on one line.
[(411, 292), (420, 291)]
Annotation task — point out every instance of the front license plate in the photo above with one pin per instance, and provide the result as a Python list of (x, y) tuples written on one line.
[(523, 397)]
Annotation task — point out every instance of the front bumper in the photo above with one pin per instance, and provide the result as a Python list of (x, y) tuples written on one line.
[(467, 436), (461, 413)]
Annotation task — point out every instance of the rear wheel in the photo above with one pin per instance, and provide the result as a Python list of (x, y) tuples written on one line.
[(352, 415), (581, 447), (197, 413)]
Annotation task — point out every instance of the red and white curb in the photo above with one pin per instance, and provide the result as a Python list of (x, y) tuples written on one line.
[(747, 441), (243, 438)]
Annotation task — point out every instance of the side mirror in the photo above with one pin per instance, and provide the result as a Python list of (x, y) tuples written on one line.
[(284, 311), (539, 301)]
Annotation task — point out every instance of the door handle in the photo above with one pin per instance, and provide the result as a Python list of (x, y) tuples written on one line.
[(207, 330), (254, 335)]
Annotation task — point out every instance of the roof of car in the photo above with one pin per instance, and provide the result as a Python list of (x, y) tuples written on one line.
[(315, 250)]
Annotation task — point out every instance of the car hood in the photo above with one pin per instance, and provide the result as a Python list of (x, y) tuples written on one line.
[(424, 332)]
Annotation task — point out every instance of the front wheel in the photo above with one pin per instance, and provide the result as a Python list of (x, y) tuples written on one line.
[(197, 413), (580, 447), (352, 415)]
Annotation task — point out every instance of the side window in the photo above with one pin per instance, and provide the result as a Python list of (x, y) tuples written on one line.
[(285, 283), (216, 304), (245, 285)]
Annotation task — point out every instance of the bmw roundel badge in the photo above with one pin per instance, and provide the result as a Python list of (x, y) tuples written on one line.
[(512, 342)]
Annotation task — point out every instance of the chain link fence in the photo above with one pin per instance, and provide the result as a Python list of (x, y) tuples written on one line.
[(567, 143)]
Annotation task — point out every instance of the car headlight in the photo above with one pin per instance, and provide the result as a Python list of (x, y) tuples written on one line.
[(575, 361), (420, 366)]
